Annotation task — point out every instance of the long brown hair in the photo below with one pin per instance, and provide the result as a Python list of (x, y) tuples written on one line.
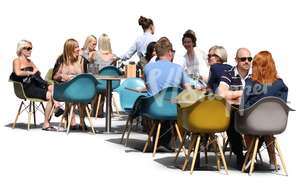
[(263, 68)]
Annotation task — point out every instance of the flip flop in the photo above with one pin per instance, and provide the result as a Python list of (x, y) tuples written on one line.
[(50, 128)]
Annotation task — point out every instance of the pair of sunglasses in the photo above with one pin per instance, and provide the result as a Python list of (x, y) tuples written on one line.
[(243, 59), (28, 48)]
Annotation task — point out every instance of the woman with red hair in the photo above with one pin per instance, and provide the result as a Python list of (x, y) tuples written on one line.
[(264, 82)]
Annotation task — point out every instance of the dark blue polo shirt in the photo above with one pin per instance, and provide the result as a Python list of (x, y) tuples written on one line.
[(216, 71), (233, 79)]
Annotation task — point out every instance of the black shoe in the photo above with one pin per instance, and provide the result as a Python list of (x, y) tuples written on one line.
[(58, 112), (240, 161), (165, 149), (74, 127), (83, 127)]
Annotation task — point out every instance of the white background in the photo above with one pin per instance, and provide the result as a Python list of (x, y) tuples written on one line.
[(256, 24)]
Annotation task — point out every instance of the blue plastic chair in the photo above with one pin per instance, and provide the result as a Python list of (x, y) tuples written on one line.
[(128, 98), (80, 90), (101, 86), (160, 107)]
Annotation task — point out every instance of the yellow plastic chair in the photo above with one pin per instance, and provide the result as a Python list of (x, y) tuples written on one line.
[(24, 106), (207, 116)]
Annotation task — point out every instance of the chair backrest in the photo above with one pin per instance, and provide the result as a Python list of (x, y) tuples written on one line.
[(161, 106), (81, 89), (127, 96), (266, 117), (210, 114), (48, 76), (18, 89), (109, 70)]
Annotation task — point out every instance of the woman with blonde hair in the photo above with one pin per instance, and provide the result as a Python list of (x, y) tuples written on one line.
[(25, 71), (72, 65), (264, 82), (89, 48), (217, 58), (103, 57)]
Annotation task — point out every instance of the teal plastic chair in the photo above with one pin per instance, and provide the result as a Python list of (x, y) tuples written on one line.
[(160, 107), (101, 86), (80, 90), (128, 98)]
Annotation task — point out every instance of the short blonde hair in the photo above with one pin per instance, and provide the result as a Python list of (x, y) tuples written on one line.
[(104, 43), (21, 45), (220, 51)]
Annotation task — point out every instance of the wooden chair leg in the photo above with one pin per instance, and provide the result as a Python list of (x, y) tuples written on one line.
[(214, 143), (115, 104), (248, 154), (70, 118), (126, 127), (90, 120), (129, 131), (156, 139), (191, 146), (195, 154), (281, 157), (179, 136), (222, 155), (149, 138), (180, 147), (254, 155), (98, 105), (29, 115), (18, 114)]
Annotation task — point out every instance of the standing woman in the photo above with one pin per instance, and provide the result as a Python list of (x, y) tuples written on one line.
[(23, 69), (89, 48), (72, 65), (195, 63), (141, 43)]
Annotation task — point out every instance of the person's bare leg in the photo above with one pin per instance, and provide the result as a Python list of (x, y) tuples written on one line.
[(48, 110)]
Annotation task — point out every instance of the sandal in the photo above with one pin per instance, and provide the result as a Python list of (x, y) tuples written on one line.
[(50, 128)]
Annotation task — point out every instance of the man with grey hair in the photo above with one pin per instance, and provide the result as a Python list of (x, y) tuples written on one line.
[(231, 88)]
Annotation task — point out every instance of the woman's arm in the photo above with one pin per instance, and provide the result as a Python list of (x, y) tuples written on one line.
[(17, 69)]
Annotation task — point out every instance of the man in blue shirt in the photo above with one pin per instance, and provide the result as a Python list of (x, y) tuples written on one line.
[(162, 74)]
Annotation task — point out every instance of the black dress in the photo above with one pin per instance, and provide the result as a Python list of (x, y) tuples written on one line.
[(34, 86)]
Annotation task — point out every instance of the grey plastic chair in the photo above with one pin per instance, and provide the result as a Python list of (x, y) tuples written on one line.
[(268, 116)]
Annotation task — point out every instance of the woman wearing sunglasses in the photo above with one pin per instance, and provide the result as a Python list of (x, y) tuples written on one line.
[(25, 71)]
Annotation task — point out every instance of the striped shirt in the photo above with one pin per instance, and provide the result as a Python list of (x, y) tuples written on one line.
[(233, 79)]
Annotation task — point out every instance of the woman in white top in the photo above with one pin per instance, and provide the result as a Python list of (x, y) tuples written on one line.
[(141, 42), (195, 61)]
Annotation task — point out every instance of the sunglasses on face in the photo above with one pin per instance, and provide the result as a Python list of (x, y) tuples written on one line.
[(243, 59), (28, 48), (212, 55)]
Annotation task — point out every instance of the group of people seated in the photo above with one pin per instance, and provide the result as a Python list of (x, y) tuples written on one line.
[(251, 79)]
